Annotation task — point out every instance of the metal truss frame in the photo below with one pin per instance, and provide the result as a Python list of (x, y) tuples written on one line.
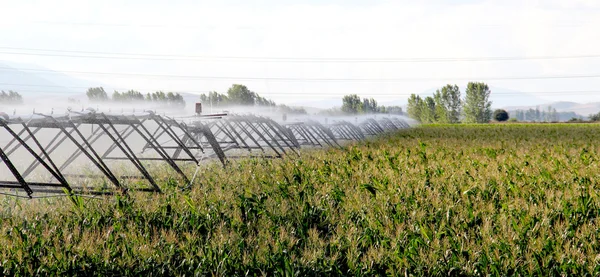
[(102, 140)]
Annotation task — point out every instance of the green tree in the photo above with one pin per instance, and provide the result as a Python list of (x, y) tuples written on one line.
[(555, 115), (448, 104), (414, 107), (453, 104), (520, 114), (530, 115), (477, 106), (159, 96), (127, 96), (442, 113), (12, 97), (369, 106), (428, 110), (170, 97), (594, 117), (501, 115), (351, 104), (394, 110), (292, 110), (214, 98), (178, 101), (117, 96), (240, 95), (96, 94), (236, 95), (134, 95)]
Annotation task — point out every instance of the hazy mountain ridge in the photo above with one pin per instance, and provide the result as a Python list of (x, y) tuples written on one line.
[(27, 80), (583, 109)]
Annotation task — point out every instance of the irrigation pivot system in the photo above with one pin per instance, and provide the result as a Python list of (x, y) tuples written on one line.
[(91, 152)]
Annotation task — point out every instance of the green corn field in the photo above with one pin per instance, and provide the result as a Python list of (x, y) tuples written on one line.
[(436, 200)]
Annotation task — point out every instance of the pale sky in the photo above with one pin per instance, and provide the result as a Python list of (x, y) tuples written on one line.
[(302, 51)]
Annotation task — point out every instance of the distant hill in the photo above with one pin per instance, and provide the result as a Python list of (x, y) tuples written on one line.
[(45, 91), (317, 104), (563, 105), (502, 97), (36, 83), (583, 109)]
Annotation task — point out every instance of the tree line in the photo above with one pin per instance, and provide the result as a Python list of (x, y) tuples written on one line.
[(353, 104), (240, 95), (537, 115), (98, 94), (10, 97), (447, 106), (291, 110), (236, 95)]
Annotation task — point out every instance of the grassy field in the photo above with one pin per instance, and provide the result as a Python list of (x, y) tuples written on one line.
[(504, 199)]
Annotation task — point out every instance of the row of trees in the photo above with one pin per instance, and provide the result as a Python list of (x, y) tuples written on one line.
[(537, 115), (392, 110), (447, 106), (595, 117), (236, 95), (10, 97), (98, 94), (291, 110), (240, 95), (353, 104)]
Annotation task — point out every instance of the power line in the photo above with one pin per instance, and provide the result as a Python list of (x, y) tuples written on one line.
[(123, 25), (171, 57), (298, 79), (259, 27)]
